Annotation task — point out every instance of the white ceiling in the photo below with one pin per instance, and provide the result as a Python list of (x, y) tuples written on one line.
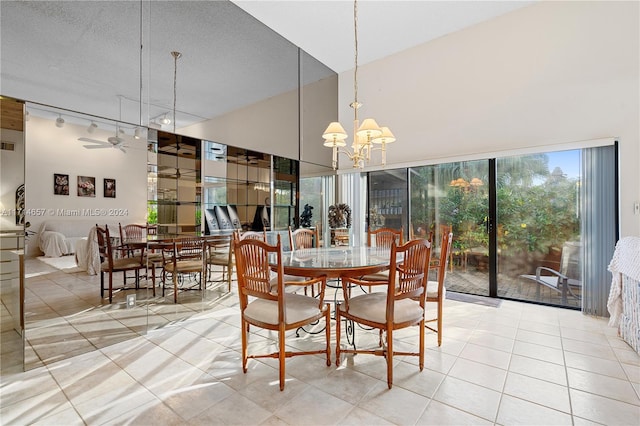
[(85, 56), (324, 28)]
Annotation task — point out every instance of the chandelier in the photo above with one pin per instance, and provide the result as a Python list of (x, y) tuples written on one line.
[(365, 135)]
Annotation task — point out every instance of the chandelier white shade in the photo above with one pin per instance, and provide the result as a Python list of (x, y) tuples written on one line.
[(365, 134)]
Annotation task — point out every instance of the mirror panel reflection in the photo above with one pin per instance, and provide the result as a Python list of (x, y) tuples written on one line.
[(82, 171), (85, 165), (12, 235)]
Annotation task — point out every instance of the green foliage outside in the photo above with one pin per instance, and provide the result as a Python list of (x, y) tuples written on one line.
[(152, 213), (536, 210)]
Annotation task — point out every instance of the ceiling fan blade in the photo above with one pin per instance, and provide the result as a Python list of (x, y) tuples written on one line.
[(108, 145), (91, 140), (121, 149)]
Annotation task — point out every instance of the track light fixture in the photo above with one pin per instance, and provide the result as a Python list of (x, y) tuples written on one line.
[(59, 121), (165, 120), (92, 127)]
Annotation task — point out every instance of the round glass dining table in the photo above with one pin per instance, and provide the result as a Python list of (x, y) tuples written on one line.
[(335, 262)]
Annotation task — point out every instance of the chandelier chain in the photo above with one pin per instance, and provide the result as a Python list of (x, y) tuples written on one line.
[(355, 71), (367, 134)]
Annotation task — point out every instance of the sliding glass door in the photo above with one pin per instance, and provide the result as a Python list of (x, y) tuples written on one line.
[(532, 227), (454, 197), (538, 228)]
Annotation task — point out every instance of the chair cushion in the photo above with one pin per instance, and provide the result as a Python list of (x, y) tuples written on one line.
[(297, 308), (123, 263), (373, 307), (185, 266), (432, 290), (152, 257), (378, 276), (287, 279)]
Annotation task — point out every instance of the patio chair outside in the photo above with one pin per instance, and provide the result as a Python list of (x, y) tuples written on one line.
[(565, 281)]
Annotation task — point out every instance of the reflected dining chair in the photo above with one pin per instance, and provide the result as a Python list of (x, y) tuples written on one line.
[(110, 263), (400, 305), (436, 290), (267, 306), (219, 253), (383, 237), (303, 238), (256, 235), (131, 232), (184, 256)]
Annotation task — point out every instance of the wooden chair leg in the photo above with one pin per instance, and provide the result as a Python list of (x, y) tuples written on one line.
[(281, 355), (390, 357), (327, 319), (421, 342), (175, 287), (153, 278), (244, 332), (110, 287), (439, 322), (338, 323)]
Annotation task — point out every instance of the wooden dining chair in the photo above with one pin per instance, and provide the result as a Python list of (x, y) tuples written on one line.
[(401, 305), (443, 231), (264, 306), (436, 290), (110, 263), (303, 238), (132, 232), (184, 256), (383, 238)]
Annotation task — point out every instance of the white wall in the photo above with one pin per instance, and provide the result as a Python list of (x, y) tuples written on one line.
[(52, 150), (269, 126), (272, 126), (551, 73)]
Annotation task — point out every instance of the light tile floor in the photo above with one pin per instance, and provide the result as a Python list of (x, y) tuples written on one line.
[(514, 364)]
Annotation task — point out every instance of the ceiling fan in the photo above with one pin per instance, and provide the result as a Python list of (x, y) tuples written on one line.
[(111, 142)]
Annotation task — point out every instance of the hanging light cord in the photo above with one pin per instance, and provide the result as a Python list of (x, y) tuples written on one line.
[(176, 55)]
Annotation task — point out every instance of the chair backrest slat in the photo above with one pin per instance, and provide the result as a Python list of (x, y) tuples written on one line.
[(410, 279), (253, 269), (384, 237), (303, 238), (132, 232)]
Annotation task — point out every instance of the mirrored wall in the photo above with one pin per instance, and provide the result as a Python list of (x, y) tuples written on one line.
[(94, 95), (12, 233)]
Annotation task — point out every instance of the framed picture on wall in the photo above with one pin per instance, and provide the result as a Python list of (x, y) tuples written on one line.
[(60, 184), (109, 188), (86, 186)]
